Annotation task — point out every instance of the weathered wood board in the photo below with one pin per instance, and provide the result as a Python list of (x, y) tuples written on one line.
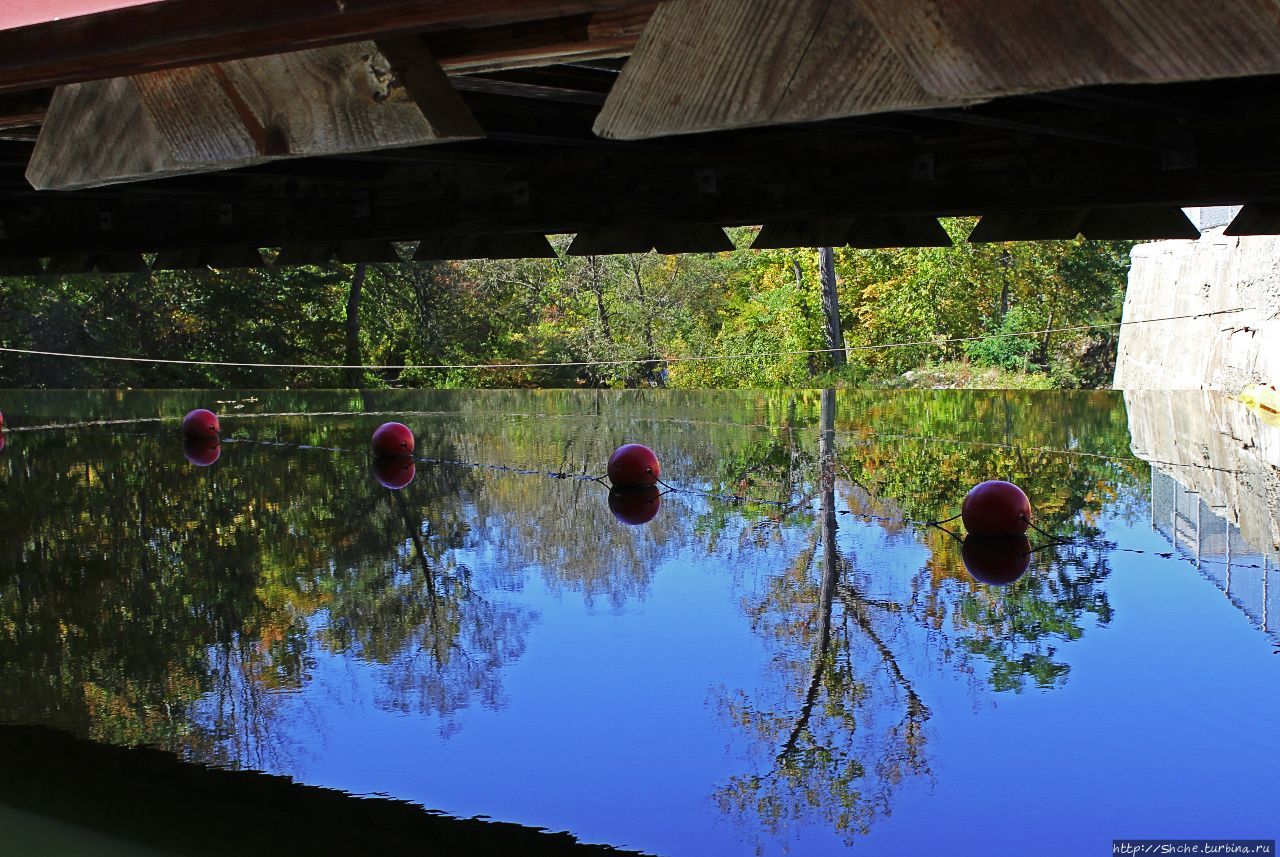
[(714, 64), (348, 98), (707, 65)]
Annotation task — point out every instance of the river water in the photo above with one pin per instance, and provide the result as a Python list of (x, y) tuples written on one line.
[(784, 659)]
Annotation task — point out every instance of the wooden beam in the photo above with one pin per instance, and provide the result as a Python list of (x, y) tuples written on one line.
[(1028, 226), (780, 235), (706, 65), (310, 253), (576, 38), (980, 49), (177, 33), (1255, 219), (873, 233), (369, 252), (207, 257), (516, 245), (348, 98), (27, 267), (1138, 224), (122, 262), (682, 238)]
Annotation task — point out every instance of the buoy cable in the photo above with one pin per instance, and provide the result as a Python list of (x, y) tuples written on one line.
[(566, 364)]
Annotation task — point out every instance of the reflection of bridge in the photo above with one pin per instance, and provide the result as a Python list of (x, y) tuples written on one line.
[(1215, 491), (1199, 532)]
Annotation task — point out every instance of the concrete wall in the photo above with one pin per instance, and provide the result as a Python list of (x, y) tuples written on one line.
[(1223, 351)]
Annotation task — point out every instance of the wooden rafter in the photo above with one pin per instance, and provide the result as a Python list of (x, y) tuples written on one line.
[(347, 98), (177, 33)]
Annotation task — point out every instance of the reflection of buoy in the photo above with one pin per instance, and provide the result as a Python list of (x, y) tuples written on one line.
[(392, 440), (394, 473), (997, 560), (1, 440), (635, 505), (1, 419), (201, 451), (633, 465), (201, 423), (996, 508)]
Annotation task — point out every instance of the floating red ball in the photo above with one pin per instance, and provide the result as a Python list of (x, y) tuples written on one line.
[(996, 508), (635, 505), (394, 473), (997, 560), (201, 451), (392, 440), (633, 465), (201, 423)]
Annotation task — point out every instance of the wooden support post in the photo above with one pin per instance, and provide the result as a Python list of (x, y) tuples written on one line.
[(327, 101)]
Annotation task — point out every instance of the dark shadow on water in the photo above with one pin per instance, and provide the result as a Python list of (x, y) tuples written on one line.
[(150, 798)]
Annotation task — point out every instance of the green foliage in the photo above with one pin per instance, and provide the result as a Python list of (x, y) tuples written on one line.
[(620, 319)]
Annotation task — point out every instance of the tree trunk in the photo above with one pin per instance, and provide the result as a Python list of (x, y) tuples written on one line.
[(798, 273), (354, 377), (831, 307)]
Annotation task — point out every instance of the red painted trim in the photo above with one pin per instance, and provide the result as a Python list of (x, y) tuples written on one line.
[(23, 13)]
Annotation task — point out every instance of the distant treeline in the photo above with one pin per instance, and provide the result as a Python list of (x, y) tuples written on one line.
[(642, 307)]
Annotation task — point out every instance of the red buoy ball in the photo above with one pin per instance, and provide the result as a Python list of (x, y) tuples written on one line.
[(996, 560), (1, 440), (201, 451), (392, 440), (394, 473), (996, 508), (201, 423), (635, 505), (633, 465)]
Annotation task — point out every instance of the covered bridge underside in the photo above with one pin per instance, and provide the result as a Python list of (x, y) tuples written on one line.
[(204, 130)]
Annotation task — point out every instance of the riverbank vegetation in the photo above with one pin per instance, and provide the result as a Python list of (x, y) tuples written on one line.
[(1033, 314)]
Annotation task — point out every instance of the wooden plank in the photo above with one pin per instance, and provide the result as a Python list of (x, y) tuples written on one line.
[(874, 233), (1138, 224), (178, 33), (980, 49), (708, 65), (1028, 226), (575, 38), (779, 235), (348, 98)]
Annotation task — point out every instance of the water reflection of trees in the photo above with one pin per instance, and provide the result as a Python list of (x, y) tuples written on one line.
[(843, 722), (144, 601)]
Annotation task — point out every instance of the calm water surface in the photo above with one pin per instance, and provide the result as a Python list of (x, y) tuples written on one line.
[(779, 662)]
